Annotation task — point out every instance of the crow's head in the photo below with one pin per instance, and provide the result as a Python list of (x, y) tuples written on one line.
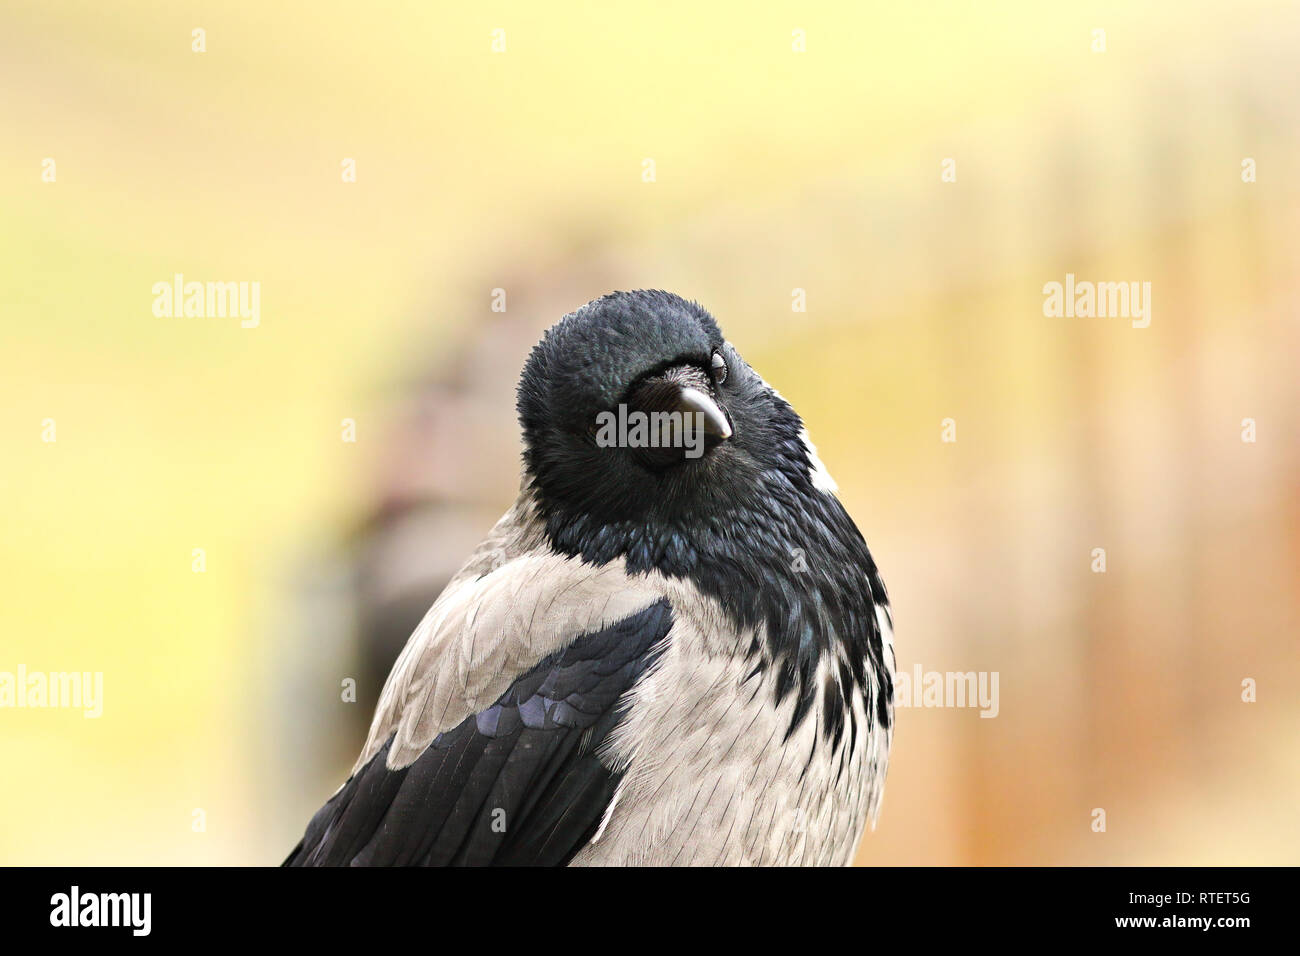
[(644, 429)]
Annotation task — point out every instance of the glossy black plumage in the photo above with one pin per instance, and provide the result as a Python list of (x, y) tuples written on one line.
[(520, 783)]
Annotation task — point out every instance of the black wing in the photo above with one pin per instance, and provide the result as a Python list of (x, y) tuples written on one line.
[(520, 783)]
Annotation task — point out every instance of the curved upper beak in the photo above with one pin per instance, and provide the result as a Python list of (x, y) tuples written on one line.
[(685, 394), (693, 401)]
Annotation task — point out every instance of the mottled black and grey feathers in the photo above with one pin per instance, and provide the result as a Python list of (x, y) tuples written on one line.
[(746, 525)]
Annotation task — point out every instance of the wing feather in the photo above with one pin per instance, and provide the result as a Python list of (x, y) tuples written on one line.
[(518, 782)]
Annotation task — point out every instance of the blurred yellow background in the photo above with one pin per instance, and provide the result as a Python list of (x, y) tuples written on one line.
[(775, 169)]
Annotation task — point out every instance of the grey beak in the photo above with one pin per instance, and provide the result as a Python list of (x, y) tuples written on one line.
[(692, 400)]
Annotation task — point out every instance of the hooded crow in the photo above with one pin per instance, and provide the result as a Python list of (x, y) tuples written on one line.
[(667, 652)]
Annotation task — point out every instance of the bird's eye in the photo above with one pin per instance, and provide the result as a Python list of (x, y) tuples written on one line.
[(719, 368)]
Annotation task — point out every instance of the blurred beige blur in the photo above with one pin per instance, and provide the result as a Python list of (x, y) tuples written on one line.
[(792, 151)]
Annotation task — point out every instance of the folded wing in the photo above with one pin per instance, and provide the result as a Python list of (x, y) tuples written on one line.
[(517, 782)]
